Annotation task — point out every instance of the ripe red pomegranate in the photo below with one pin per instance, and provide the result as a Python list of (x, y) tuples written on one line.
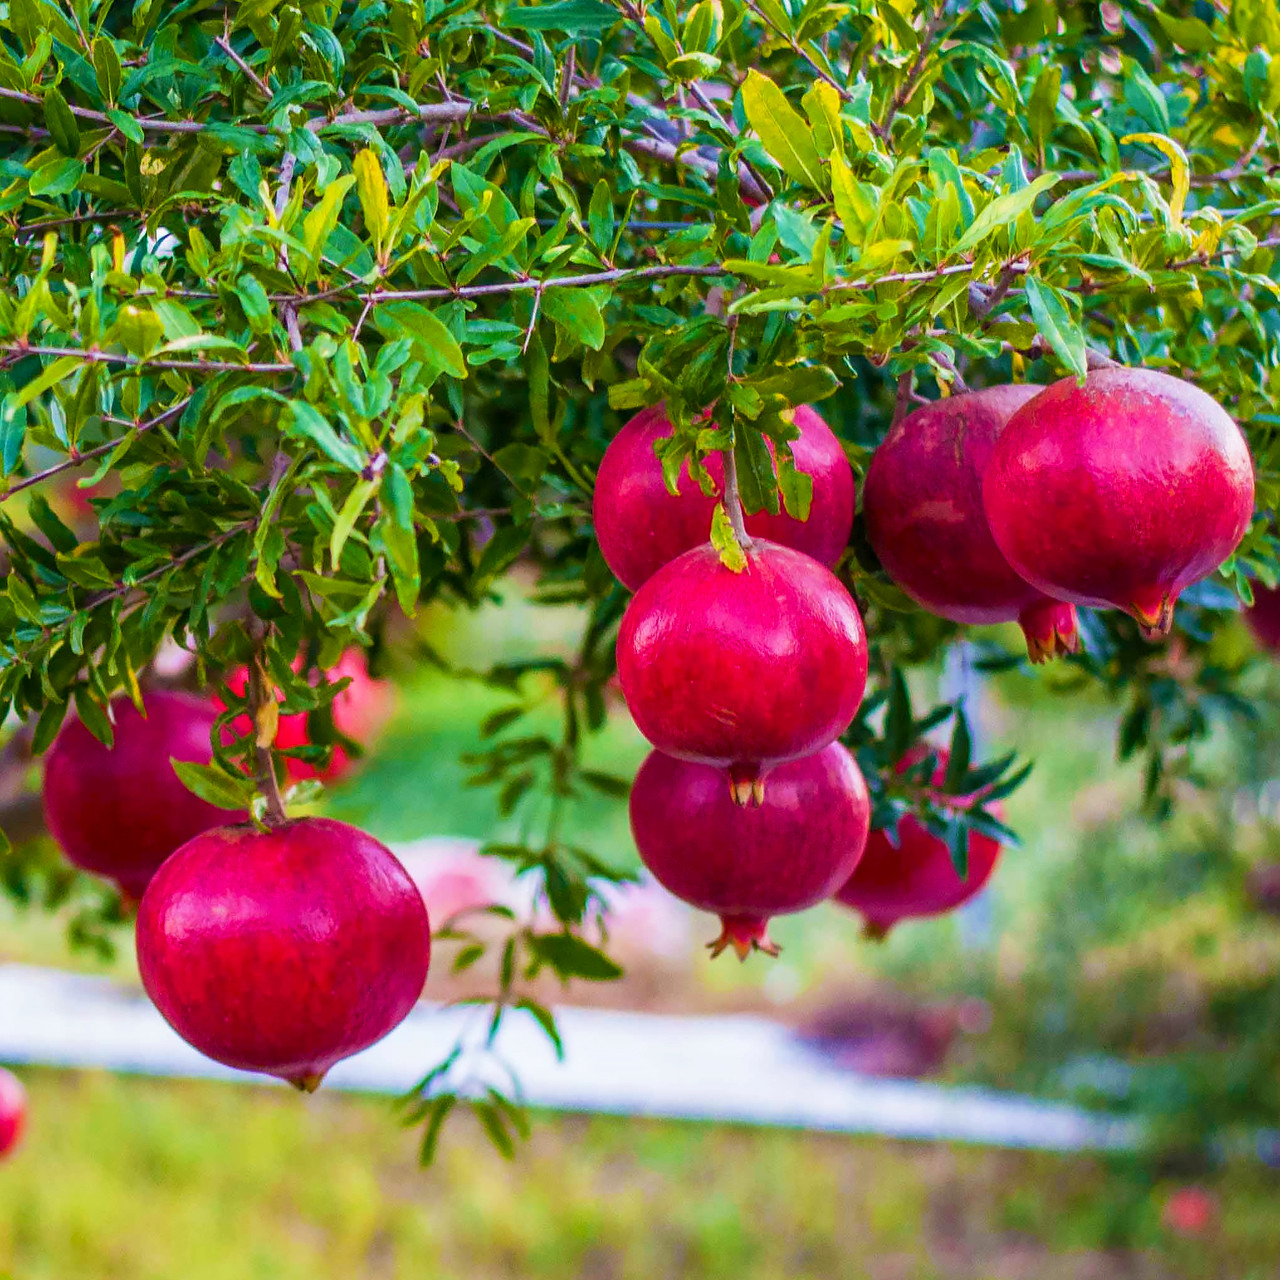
[(742, 669), (13, 1112), (283, 951), (1191, 1211), (120, 813), (1263, 617), (359, 712), (1120, 493), (917, 878), (641, 525), (923, 507), (789, 852)]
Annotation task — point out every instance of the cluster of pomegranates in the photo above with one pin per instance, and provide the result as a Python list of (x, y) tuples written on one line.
[(280, 948), (1011, 503)]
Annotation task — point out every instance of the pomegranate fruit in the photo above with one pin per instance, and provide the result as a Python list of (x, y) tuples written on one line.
[(641, 525), (1263, 617), (787, 853), (1120, 493), (119, 812), (283, 951), (359, 712), (742, 669), (917, 878), (13, 1112), (923, 506)]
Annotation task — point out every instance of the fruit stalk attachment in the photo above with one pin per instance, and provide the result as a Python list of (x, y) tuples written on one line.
[(733, 500), (265, 712)]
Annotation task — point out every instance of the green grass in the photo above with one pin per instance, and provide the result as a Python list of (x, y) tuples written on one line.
[(148, 1180)]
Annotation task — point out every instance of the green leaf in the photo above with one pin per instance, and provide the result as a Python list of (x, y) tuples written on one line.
[(93, 717), (57, 372), (61, 124), (571, 957), (1190, 34), (213, 784), (960, 754), (1042, 107), (1055, 324), (525, 464), (56, 177), (308, 421), (429, 334), (106, 66), (568, 15), (578, 313), (351, 511), (319, 223), (1004, 210), (782, 130)]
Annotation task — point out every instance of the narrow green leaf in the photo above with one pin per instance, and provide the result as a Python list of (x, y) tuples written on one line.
[(213, 784), (782, 130), (1004, 210), (1056, 326)]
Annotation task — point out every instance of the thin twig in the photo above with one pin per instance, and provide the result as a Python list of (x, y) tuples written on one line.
[(733, 500), (902, 402), (93, 355), (932, 26), (264, 712), (259, 83)]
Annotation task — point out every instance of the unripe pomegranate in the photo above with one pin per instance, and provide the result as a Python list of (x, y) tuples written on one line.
[(120, 812), (917, 878), (13, 1112), (283, 951), (742, 669), (923, 507), (1120, 493), (359, 712), (641, 525), (1263, 617), (787, 853)]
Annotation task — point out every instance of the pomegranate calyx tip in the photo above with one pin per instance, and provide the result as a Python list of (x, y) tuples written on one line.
[(744, 934), (308, 1083)]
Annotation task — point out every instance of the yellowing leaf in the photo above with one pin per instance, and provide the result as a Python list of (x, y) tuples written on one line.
[(1181, 169), (371, 187), (842, 187), (822, 106), (785, 136), (318, 225)]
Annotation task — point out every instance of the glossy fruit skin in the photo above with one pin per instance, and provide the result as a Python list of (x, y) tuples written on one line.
[(1263, 617), (922, 503), (13, 1112), (359, 712), (283, 951), (641, 525), (1120, 493), (917, 879), (746, 864), (751, 667), (120, 812)]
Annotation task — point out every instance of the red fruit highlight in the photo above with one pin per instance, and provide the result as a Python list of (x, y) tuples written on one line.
[(359, 712), (1263, 617), (742, 669), (925, 520), (1120, 493), (283, 951), (120, 813), (917, 879), (746, 864), (13, 1112), (641, 525)]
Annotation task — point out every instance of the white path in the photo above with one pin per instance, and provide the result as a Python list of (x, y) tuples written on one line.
[(729, 1068)]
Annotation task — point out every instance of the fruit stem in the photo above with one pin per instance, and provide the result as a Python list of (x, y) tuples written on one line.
[(259, 694), (733, 500)]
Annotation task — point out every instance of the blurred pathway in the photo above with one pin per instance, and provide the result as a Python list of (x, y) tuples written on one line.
[(734, 1068)]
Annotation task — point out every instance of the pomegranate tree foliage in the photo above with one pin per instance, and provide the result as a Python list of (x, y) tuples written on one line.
[(350, 297)]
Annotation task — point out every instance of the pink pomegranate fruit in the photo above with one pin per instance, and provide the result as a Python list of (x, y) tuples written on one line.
[(119, 812), (1263, 617), (917, 878), (1120, 493), (641, 525), (283, 951), (923, 507), (791, 851), (742, 669), (13, 1112), (359, 712)]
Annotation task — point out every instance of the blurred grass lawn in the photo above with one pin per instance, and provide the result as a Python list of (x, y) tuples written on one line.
[(145, 1180)]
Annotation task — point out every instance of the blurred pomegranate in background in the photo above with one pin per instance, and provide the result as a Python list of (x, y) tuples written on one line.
[(1263, 617), (360, 711), (13, 1112), (453, 876), (1190, 1211)]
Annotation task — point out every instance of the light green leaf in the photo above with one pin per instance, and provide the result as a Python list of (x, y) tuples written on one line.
[(1004, 210), (308, 421), (1055, 324), (429, 334), (213, 784), (351, 511), (782, 130), (578, 312), (59, 370)]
